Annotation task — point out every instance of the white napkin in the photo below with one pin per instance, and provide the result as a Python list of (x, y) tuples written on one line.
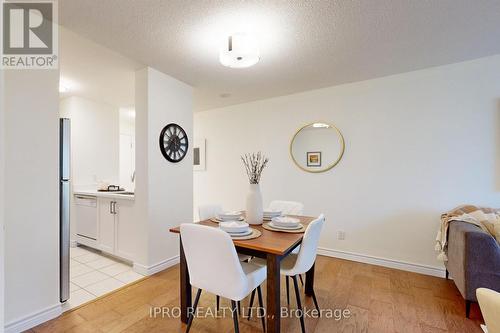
[(285, 221)]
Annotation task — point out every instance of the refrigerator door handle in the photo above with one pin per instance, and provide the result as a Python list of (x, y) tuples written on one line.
[(65, 149)]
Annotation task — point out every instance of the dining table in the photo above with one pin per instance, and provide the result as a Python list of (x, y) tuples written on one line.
[(272, 246)]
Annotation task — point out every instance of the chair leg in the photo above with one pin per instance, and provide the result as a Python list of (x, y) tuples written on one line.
[(251, 304), (235, 316), (447, 274), (467, 308), (190, 320), (301, 281), (299, 304), (287, 290), (217, 302), (239, 308), (315, 300), (261, 309)]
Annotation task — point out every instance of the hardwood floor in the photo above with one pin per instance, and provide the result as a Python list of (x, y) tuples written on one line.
[(379, 300)]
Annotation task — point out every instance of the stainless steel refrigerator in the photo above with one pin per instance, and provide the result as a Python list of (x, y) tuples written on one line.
[(64, 204)]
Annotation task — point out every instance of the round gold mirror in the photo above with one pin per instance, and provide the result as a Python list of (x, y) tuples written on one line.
[(317, 147)]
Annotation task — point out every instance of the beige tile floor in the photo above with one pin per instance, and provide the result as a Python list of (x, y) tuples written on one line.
[(93, 274)]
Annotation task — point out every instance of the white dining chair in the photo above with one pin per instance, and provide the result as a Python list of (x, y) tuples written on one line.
[(489, 302), (295, 264), (287, 207), (213, 266), (206, 212)]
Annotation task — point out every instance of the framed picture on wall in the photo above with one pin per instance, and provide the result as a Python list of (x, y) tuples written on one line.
[(199, 155), (313, 158)]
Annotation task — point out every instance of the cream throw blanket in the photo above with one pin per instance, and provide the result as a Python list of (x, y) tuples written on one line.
[(487, 219)]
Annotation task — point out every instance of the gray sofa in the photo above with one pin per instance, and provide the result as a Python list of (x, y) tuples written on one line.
[(473, 260)]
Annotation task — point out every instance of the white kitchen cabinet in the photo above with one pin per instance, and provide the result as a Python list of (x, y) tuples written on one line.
[(125, 229), (106, 239), (117, 227)]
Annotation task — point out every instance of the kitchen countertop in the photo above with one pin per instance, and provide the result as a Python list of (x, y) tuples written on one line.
[(112, 195)]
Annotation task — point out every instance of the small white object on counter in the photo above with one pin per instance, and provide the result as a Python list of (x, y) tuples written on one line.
[(102, 185)]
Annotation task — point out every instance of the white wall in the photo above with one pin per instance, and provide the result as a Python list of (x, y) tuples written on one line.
[(127, 147), (32, 203), (142, 165), (127, 121), (164, 195), (2, 198), (94, 140), (2, 194), (417, 144)]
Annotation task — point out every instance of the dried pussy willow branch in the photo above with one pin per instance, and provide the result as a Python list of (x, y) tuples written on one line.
[(254, 164)]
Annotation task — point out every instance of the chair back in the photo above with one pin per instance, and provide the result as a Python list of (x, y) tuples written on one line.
[(287, 207), (309, 246), (206, 212), (212, 261), (489, 302)]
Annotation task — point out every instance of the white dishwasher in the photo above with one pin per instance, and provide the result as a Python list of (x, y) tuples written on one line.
[(86, 219)]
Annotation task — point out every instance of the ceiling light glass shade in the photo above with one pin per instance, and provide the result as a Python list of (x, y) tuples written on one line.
[(320, 125), (239, 51)]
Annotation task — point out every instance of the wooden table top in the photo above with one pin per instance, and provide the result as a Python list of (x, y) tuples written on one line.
[(274, 242)]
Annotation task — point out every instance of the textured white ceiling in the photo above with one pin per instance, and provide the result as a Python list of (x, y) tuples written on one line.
[(304, 44)]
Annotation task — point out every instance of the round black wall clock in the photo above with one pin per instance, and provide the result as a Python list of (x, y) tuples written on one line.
[(173, 143)]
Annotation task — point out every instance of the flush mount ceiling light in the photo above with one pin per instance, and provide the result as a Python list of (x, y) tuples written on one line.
[(320, 125), (239, 51)]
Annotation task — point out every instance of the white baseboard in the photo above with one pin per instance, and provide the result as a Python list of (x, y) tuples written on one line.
[(150, 270), (391, 263), (34, 319)]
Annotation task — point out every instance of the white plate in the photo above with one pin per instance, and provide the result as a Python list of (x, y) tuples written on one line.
[(272, 225), (270, 218), (236, 233), (228, 220), (286, 219), (241, 234), (273, 213), (234, 226), (229, 215)]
